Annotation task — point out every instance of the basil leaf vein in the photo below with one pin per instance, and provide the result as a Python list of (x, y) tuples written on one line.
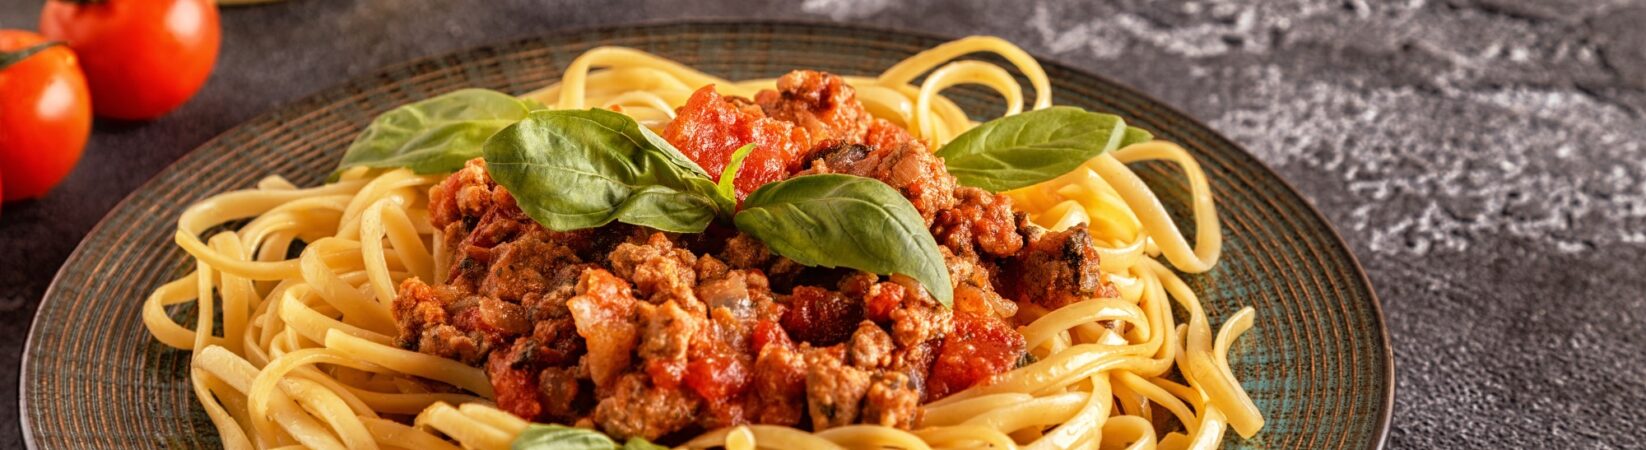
[(571, 170), (434, 135), (837, 220), (1028, 148)]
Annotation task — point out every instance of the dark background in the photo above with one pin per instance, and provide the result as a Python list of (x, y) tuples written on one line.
[(1483, 158)]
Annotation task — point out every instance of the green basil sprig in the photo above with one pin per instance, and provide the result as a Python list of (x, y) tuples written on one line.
[(835, 220), (571, 170), (560, 437), (1029, 148), (437, 134)]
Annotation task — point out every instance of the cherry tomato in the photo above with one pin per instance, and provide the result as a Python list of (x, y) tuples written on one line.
[(143, 58), (45, 113)]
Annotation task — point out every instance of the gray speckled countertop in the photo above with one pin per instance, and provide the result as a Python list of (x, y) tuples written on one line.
[(1483, 157)]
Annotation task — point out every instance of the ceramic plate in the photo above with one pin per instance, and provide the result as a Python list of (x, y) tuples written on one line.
[(1317, 364)]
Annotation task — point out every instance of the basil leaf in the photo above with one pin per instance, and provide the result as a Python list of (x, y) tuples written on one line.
[(1028, 148), (560, 437), (434, 135), (1135, 135), (726, 187), (571, 170), (836, 220)]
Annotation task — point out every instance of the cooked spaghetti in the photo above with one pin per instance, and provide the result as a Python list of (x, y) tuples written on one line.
[(393, 309)]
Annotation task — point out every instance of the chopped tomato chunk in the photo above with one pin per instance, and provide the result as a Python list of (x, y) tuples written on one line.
[(710, 128), (980, 347), (516, 387), (821, 317), (717, 378)]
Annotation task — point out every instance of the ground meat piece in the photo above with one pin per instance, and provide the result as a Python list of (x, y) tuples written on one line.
[(745, 252), (559, 391), (494, 321), (659, 269), (710, 268), (667, 334), (919, 319), (451, 342), (915, 362), (472, 255), (634, 409), (553, 342), (668, 330), (834, 390), (425, 324), (603, 311), (979, 222), (709, 128), (464, 195), (777, 391), (914, 316), (973, 286), (913, 171), (966, 268), (819, 102), (418, 306), (870, 346), (839, 155), (1056, 268), (515, 384), (892, 401), (551, 304), (502, 223), (885, 135), (980, 347), (821, 317), (525, 266)]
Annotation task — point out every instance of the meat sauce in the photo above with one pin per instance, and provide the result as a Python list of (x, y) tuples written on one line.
[(655, 335)]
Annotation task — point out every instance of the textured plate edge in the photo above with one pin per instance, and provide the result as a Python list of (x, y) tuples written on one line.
[(1385, 422)]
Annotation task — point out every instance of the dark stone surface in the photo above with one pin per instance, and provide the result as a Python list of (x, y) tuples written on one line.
[(1483, 157)]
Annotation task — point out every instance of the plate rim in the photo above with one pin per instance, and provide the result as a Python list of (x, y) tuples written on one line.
[(1387, 404)]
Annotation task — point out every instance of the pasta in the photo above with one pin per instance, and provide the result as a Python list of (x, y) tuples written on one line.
[(295, 347)]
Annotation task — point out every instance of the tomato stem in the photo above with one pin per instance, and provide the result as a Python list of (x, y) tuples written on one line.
[(9, 58)]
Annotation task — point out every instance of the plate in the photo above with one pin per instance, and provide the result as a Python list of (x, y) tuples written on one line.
[(1318, 364)]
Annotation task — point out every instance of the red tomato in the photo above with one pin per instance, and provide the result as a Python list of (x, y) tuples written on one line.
[(142, 57), (45, 114)]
